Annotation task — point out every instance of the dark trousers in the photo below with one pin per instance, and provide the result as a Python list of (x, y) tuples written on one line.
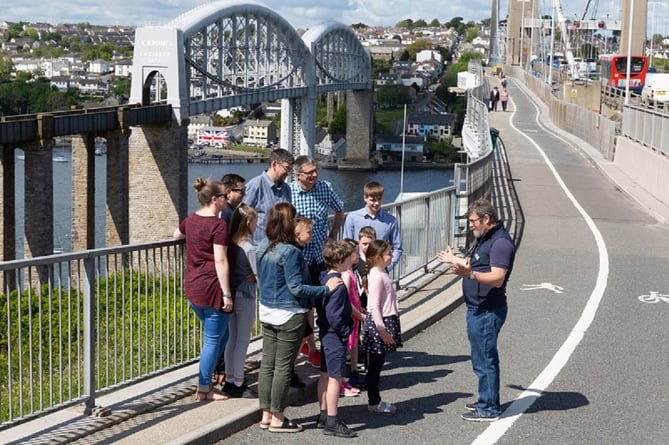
[(376, 362)]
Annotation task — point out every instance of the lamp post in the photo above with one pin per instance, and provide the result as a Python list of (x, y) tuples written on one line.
[(629, 54)]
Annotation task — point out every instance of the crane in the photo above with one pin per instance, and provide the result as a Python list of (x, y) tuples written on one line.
[(565, 36)]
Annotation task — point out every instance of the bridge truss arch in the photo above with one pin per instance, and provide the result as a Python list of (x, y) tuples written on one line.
[(228, 53)]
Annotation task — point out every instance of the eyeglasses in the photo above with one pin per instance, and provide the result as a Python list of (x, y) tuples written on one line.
[(473, 220), (287, 168), (240, 191), (218, 195), (311, 172)]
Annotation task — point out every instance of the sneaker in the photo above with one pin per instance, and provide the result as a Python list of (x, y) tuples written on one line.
[(304, 350), (228, 388), (314, 359), (474, 406), (295, 381), (340, 430), (321, 421), (242, 392), (475, 416), (346, 390)]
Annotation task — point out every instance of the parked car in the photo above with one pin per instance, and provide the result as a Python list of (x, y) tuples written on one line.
[(655, 89)]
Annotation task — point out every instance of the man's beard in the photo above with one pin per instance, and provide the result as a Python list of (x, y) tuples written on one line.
[(477, 233)]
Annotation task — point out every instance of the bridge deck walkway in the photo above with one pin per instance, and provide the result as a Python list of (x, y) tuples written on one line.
[(162, 410)]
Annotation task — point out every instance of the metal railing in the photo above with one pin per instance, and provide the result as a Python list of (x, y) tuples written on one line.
[(646, 126), (75, 326)]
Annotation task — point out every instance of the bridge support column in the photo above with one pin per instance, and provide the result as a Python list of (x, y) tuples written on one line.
[(158, 180), (83, 192), (117, 209), (7, 226), (358, 131), (38, 199), (298, 121)]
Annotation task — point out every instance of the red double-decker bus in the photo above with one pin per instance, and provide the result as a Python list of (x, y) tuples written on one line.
[(613, 71)]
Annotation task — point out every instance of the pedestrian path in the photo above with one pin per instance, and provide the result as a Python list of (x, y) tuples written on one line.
[(162, 410)]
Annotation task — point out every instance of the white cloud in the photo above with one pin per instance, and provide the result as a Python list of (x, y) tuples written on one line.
[(300, 13)]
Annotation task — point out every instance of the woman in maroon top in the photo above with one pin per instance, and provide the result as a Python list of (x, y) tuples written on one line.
[(207, 284)]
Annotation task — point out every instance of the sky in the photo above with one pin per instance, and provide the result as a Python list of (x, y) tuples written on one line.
[(302, 13)]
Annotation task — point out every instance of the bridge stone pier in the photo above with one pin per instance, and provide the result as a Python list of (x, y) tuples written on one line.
[(358, 131)]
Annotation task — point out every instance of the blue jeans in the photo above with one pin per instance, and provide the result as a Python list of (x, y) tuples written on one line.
[(483, 328), (215, 325)]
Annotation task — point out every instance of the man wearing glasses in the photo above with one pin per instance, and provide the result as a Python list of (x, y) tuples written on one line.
[(485, 272), (235, 189), (313, 198), (269, 188)]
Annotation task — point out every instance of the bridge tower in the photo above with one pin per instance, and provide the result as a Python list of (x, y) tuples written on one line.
[(636, 27)]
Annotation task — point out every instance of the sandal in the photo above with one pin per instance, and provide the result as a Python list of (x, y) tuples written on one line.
[(264, 425), (212, 394), (286, 427), (382, 408)]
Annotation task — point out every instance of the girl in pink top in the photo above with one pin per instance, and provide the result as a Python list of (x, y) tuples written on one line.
[(381, 329), (350, 279)]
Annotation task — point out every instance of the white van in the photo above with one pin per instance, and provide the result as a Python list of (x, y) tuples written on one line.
[(655, 88)]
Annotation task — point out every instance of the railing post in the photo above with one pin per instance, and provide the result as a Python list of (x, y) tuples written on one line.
[(89, 334), (427, 232)]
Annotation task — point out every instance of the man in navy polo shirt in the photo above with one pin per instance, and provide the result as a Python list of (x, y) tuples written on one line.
[(485, 273)]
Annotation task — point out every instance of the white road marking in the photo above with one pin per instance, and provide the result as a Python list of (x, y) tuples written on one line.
[(518, 407), (548, 286)]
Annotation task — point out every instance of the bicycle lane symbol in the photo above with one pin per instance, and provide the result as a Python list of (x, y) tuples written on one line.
[(654, 297)]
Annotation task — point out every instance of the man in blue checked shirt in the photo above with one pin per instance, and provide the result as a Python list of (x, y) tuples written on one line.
[(313, 198)]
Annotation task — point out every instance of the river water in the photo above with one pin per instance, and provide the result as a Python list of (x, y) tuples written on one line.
[(348, 185)]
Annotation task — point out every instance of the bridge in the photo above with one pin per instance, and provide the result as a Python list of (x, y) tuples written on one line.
[(220, 54)]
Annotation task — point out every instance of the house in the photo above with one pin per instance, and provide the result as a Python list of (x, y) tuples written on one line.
[(389, 149), (259, 132), (123, 68), (430, 125), (99, 66), (387, 79)]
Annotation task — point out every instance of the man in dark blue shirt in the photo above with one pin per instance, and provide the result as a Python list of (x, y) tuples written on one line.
[(485, 274)]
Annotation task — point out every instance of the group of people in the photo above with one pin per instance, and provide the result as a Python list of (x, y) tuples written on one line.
[(271, 236), (497, 96)]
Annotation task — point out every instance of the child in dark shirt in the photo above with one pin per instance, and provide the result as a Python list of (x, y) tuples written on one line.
[(335, 324)]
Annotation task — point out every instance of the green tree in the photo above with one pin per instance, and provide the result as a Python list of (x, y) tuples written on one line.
[(380, 66), (14, 30), (6, 68), (420, 23), (435, 23), (406, 23), (416, 47), (338, 124), (471, 34), (392, 96)]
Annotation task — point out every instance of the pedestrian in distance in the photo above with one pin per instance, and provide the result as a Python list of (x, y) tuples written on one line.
[(494, 98), (269, 188), (504, 98), (206, 280), (485, 272), (353, 281), (335, 325), (283, 284), (244, 278), (381, 331), (381, 221)]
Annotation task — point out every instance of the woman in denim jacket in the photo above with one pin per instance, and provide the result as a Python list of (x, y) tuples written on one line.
[(282, 283)]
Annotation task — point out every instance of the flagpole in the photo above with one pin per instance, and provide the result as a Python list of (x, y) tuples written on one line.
[(404, 131)]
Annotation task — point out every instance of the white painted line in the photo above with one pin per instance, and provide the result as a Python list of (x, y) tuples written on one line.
[(518, 407)]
